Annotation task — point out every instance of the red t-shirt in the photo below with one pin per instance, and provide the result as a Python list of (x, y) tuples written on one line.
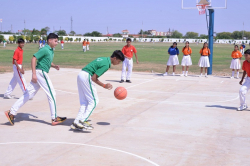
[(128, 51), (246, 67), (18, 56), (62, 41)]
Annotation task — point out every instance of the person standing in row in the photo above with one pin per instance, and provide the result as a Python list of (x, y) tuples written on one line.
[(235, 63), (186, 60), (62, 43), (173, 60), (204, 61), (128, 51)]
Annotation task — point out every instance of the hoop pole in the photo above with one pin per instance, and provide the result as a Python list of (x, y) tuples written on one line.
[(211, 40)]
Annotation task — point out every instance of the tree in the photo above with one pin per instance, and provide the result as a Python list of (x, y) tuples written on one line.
[(176, 34), (47, 28), (66, 39), (61, 33), (191, 35), (26, 32), (36, 38), (88, 34), (72, 33), (236, 35), (117, 35), (224, 35), (35, 32), (1, 38), (28, 38), (96, 33), (43, 31), (203, 36), (144, 32), (11, 38)]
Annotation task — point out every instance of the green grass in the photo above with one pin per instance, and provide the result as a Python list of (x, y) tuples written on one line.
[(151, 56)]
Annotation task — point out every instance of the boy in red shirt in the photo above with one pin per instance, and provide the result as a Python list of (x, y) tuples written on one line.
[(62, 42), (18, 71), (128, 52), (245, 87), (84, 45)]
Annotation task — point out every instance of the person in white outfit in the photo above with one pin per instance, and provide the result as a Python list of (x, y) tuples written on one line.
[(173, 60), (246, 86), (186, 60), (128, 52), (18, 71), (204, 61), (235, 63)]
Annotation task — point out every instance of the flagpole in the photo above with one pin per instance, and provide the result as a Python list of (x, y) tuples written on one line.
[(243, 31)]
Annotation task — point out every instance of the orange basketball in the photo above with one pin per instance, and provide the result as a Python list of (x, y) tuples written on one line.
[(120, 93)]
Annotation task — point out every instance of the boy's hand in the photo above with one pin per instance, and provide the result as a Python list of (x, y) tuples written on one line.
[(34, 78), (240, 82), (57, 67), (108, 86), (137, 62), (22, 71)]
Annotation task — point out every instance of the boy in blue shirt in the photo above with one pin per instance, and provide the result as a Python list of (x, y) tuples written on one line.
[(173, 58)]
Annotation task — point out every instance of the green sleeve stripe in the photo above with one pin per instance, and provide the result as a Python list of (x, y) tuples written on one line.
[(93, 97), (50, 93)]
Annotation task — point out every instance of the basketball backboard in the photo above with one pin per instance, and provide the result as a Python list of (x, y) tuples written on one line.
[(211, 4)]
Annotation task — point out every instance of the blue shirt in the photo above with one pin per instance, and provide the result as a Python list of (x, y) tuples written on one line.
[(43, 41), (40, 41), (173, 51), (243, 46)]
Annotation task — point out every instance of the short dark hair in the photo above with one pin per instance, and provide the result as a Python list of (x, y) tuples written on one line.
[(52, 36), (118, 54), (247, 51), (236, 46), (128, 39), (20, 41)]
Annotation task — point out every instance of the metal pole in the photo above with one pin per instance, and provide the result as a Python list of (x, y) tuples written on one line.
[(211, 39)]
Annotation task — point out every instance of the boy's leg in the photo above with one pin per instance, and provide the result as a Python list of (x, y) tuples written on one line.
[(32, 89), (82, 79), (91, 96), (124, 67), (44, 81), (11, 86), (20, 79), (130, 68), (243, 90)]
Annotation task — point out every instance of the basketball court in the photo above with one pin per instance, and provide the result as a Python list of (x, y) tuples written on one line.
[(168, 120)]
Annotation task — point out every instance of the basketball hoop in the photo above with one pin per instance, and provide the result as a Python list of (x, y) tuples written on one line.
[(201, 8)]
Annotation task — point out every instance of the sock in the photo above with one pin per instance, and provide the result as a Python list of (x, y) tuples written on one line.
[(173, 73), (201, 74), (238, 74), (183, 72), (232, 73), (205, 74), (186, 72)]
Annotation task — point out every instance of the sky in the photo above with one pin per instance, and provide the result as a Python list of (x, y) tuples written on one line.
[(117, 15)]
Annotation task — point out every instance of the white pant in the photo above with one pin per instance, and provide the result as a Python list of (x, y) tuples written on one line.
[(4, 44), (87, 96), (43, 82), (243, 91), (62, 46), (87, 47), (17, 78), (84, 48), (41, 45), (127, 64)]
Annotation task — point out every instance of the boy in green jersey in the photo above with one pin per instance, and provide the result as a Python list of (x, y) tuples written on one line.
[(86, 87)]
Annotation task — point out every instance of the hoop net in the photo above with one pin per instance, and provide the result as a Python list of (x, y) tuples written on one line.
[(201, 8)]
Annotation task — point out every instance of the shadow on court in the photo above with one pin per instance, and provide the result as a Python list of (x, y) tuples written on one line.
[(220, 106), (103, 123), (2, 95)]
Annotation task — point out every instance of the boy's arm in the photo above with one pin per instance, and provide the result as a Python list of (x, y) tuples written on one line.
[(55, 66), (136, 58), (33, 67), (98, 82), (243, 76), (20, 69)]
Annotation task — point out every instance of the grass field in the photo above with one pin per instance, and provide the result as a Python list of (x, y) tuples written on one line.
[(151, 56)]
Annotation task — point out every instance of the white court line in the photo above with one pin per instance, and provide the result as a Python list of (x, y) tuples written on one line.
[(66, 92), (142, 83), (95, 146), (221, 82)]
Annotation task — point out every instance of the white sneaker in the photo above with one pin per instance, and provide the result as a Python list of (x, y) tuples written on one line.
[(237, 77), (7, 96), (165, 74), (206, 76), (232, 77), (242, 107), (186, 75), (173, 74), (182, 75)]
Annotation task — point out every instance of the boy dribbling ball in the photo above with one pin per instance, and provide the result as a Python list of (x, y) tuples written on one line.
[(86, 87), (245, 87)]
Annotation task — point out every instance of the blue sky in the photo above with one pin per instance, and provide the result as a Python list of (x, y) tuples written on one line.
[(89, 15)]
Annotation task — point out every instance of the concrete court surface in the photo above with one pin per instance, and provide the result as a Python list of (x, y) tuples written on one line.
[(164, 121)]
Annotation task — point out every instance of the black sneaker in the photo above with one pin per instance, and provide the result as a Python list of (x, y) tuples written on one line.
[(76, 126), (121, 81), (58, 120), (10, 117), (128, 81)]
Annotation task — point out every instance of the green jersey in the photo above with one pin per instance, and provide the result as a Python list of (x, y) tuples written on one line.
[(44, 58), (98, 66)]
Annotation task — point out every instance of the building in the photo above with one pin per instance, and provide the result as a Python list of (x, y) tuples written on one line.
[(155, 33), (125, 33)]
